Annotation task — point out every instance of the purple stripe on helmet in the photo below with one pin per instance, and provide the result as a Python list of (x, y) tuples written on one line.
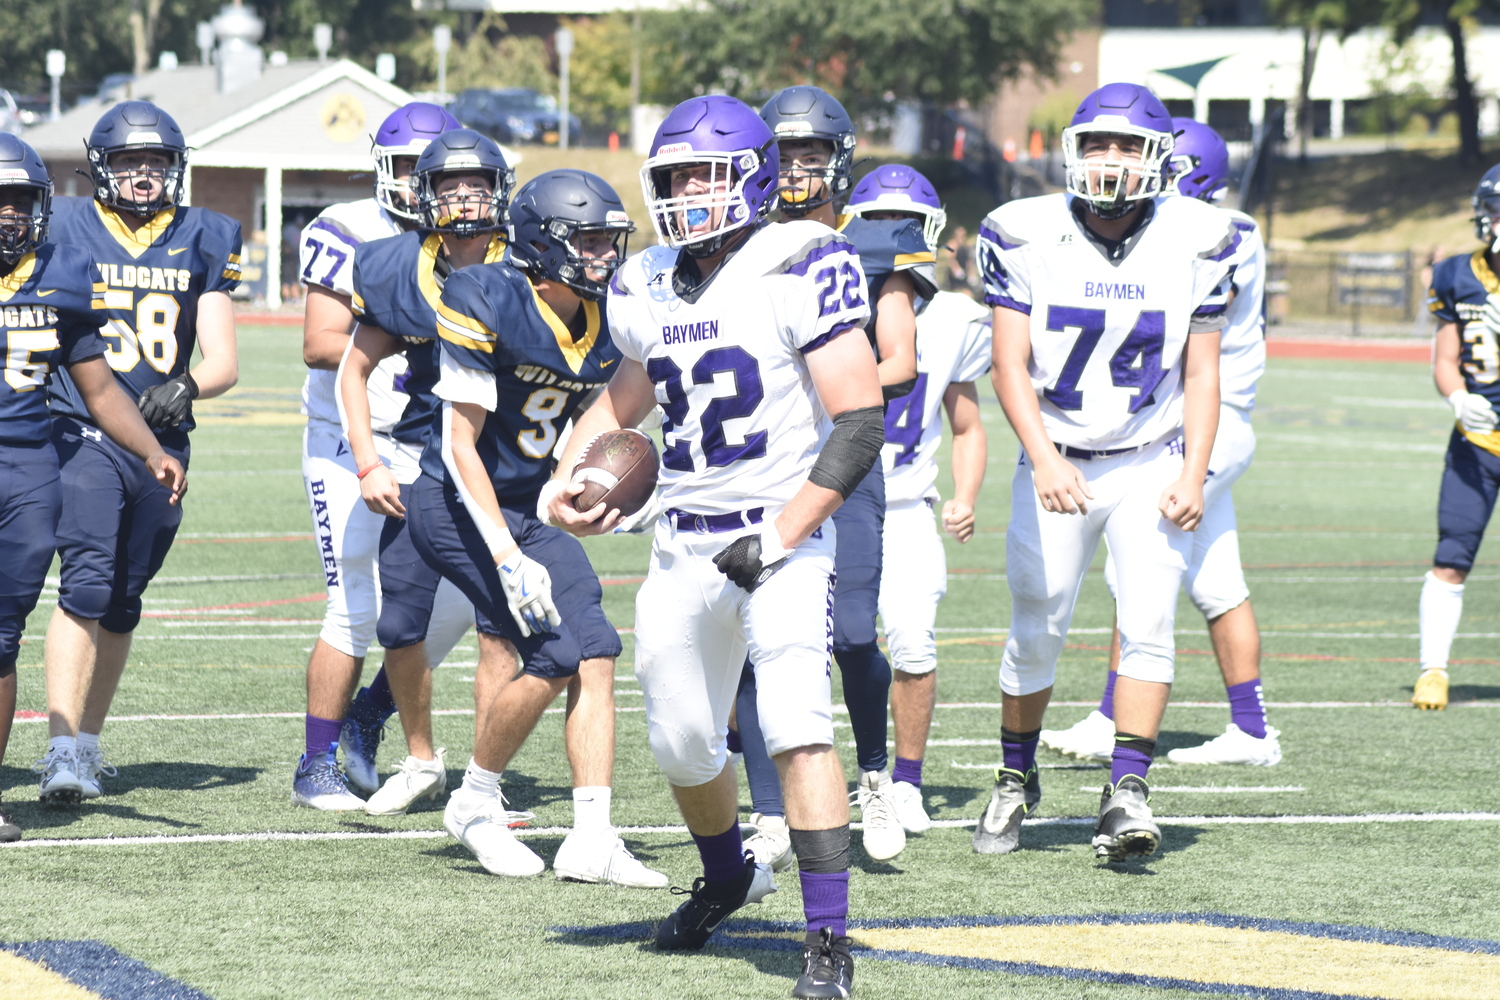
[(1006, 302), (816, 252), (895, 179), (829, 337)]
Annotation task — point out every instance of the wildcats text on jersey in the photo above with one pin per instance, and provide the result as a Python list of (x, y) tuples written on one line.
[(129, 276), (24, 316)]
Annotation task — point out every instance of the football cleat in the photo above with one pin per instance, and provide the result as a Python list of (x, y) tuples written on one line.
[(884, 837), (603, 858), (1235, 747), (1091, 739), (483, 826), (360, 738), (691, 925), (9, 831), (827, 966), (1014, 797), (1431, 692), (417, 779), (771, 843), (1126, 826), (908, 797), (319, 784), (92, 769), (59, 771)]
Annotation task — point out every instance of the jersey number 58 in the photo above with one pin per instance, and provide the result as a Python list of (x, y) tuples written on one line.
[(154, 337)]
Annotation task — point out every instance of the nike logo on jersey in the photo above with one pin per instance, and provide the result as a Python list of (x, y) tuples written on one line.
[(43, 295), (174, 253), (606, 364)]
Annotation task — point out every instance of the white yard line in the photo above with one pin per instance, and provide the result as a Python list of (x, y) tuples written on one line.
[(561, 831), (1212, 789)]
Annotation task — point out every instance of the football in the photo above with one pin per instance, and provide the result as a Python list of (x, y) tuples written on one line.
[(619, 468)]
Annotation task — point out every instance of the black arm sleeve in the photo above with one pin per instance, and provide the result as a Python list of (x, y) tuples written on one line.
[(851, 450), (890, 392)]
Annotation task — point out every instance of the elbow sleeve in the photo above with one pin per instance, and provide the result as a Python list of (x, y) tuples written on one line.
[(850, 451)]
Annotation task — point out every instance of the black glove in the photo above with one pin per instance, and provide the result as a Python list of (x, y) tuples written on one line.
[(168, 404), (741, 562)]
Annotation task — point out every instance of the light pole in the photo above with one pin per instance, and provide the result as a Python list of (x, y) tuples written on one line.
[(204, 36), (385, 66), (57, 64), (564, 40), (442, 41), (322, 40)]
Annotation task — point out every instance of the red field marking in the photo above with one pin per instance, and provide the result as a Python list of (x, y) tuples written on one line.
[(25, 714), (268, 319), (241, 541), (1349, 350)]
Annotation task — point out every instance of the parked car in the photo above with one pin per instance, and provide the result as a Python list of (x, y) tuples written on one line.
[(513, 115)]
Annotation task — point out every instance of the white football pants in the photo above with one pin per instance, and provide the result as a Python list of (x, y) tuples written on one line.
[(914, 580)]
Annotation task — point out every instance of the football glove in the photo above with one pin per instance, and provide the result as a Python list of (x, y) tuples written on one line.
[(643, 520), (166, 405), (528, 591), (1472, 411), (550, 489), (750, 560)]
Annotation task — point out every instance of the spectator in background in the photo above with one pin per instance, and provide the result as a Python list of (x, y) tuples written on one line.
[(291, 287), (958, 275)]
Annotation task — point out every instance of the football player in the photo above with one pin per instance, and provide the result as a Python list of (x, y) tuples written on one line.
[(743, 559), (521, 347), (1107, 305), (167, 271), (348, 532), (815, 137), (1466, 370), (51, 309), (1215, 581), (953, 350)]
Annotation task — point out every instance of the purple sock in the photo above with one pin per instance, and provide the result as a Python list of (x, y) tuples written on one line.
[(322, 734), (723, 855), (909, 771), (1132, 756), (1019, 749), (1247, 709), (825, 900), (379, 693), (732, 742), (1107, 703)]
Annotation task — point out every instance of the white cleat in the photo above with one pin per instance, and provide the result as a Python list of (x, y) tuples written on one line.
[(59, 771), (914, 818), (771, 843), (1235, 747), (92, 769), (483, 826), (1091, 739), (884, 836), (416, 780), (601, 857)]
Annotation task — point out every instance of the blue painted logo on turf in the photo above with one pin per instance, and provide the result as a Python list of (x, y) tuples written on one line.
[(41, 967)]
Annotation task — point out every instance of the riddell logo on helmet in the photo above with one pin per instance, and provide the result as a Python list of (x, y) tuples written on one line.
[(675, 147), (616, 217), (14, 175), (136, 137), (793, 127)]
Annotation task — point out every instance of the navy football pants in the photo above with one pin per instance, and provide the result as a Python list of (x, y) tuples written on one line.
[(30, 504), (1471, 481)]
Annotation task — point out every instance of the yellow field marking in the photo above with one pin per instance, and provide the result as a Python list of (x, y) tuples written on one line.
[(21, 978), (1208, 954)]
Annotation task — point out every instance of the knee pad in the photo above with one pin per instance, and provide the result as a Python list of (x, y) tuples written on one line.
[(913, 651), (340, 637), (1029, 666), (1157, 666), (122, 617), (401, 625), (672, 748), (88, 601), (1214, 604)]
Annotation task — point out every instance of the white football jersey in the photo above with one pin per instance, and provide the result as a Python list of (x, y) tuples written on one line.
[(1242, 343), (1107, 335), (953, 345), (325, 252), (743, 423)]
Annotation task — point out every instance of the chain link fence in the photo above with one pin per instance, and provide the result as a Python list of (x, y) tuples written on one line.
[(1365, 293)]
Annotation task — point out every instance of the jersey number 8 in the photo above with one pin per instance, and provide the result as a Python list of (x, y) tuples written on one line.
[(154, 337)]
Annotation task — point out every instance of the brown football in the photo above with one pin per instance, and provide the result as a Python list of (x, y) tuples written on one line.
[(619, 468)]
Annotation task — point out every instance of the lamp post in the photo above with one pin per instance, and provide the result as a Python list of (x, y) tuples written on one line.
[(57, 64), (564, 41), (322, 40), (442, 41), (385, 67), (204, 36)]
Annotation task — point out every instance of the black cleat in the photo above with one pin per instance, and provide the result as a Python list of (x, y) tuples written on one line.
[(1126, 827), (9, 832), (1015, 797), (827, 966), (694, 922)]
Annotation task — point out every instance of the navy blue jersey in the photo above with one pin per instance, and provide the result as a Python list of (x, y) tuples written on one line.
[(492, 320), (398, 287), (886, 246), (153, 278), (1461, 293), (50, 313)]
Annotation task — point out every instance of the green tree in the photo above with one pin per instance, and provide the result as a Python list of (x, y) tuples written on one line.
[(1403, 18), (1317, 19)]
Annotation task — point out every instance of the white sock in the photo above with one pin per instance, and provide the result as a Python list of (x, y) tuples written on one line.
[(88, 741), (1441, 607), (68, 743), (591, 807), (478, 781)]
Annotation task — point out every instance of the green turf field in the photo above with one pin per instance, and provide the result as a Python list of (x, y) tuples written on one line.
[(1337, 527)]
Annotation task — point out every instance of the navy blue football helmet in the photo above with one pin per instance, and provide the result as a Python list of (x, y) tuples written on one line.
[(1486, 204), (22, 172), (462, 151), (551, 217), (128, 127), (805, 112)]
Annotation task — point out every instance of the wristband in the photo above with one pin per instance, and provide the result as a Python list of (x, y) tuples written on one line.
[(368, 469)]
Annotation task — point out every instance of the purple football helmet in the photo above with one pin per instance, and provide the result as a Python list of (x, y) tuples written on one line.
[(729, 137), (1111, 182), (896, 187), (1199, 164), (405, 132)]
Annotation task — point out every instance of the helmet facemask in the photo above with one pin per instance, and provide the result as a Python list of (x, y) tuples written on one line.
[(440, 212), (720, 202), (572, 261), (795, 195), (1486, 217), (111, 181), (394, 192), (22, 231), (1111, 183)]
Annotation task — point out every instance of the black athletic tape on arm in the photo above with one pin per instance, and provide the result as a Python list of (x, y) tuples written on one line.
[(850, 451), (822, 852), (890, 392)]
